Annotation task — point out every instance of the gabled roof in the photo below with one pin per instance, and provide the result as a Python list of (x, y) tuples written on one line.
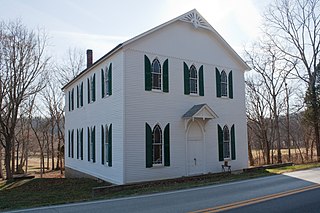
[(192, 17), (202, 111)]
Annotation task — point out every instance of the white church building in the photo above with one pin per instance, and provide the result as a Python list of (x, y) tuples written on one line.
[(167, 103)]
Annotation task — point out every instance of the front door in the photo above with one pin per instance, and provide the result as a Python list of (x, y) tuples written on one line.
[(195, 149)]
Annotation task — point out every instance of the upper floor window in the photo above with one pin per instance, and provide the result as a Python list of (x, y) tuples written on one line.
[(224, 84), (193, 80), (91, 83), (156, 77), (156, 74), (80, 95), (106, 81)]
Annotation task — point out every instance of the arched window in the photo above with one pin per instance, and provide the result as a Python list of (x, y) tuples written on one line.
[(157, 145), (106, 80), (193, 80), (106, 144), (224, 84), (226, 142), (156, 74)]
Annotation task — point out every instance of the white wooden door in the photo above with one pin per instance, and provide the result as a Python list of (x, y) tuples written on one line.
[(195, 150)]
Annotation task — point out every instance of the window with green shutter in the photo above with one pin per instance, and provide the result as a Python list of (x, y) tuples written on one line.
[(72, 143), (81, 94), (102, 144), (233, 143), (148, 146), (78, 143), (220, 143), (147, 74), (230, 83), (69, 144), (93, 144), (78, 100), (69, 96), (186, 79), (81, 144), (72, 99), (201, 81), (167, 145), (110, 80), (110, 146), (166, 76), (224, 84), (88, 90), (89, 143), (218, 83), (94, 88), (102, 84)]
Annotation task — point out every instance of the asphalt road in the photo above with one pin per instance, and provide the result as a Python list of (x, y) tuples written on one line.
[(212, 198)]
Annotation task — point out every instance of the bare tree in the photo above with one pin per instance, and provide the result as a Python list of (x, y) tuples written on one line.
[(272, 71), (72, 64), (22, 64), (257, 114), (293, 26)]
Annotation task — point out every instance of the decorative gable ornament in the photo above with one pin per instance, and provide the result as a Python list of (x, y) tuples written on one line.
[(195, 19)]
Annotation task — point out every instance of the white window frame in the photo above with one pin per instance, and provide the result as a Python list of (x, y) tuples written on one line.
[(157, 163), (159, 88), (191, 79), (226, 143), (224, 84)]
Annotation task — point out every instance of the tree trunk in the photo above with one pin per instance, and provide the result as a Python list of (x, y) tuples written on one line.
[(1, 174), (52, 150), (7, 160)]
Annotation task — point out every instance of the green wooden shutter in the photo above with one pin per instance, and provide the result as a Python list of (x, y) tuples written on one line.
[(218, 82), (110, 146), (230, 83), (201, 83), (81, 94), (69, 144), (72, 99), (167, 145), (147, 74), (81, 144), (110, 79), (94, 88), (102, 144), (89, 139), (93, 137), (220, 143), (148, 146), (166, 76), (72, 143), (78, 92), (89, 88), (186, 79), (69, 100), (78, 141), (233, 143), (102, 83)]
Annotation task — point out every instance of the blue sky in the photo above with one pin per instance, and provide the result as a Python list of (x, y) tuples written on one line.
[(102, 24)]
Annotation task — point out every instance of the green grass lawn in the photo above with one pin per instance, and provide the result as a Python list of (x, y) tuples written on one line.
[(46, 191)]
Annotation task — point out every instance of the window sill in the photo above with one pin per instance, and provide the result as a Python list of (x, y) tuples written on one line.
[(106, 96), (157, 90), (194, 94), (157, 166)]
